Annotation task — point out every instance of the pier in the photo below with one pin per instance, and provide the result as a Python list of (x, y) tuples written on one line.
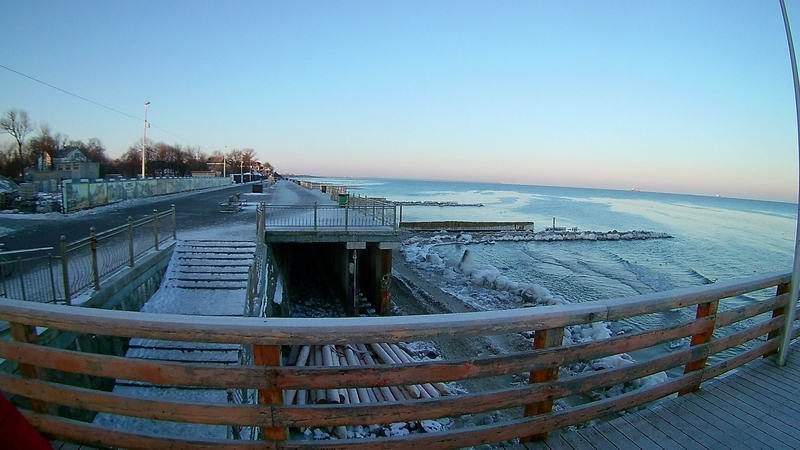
[(351, 243)]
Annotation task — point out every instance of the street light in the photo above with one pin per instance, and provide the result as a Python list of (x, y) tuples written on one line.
[(144, 137)]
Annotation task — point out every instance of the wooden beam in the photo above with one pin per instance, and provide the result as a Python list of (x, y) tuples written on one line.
[(270, 355), (543, 339)]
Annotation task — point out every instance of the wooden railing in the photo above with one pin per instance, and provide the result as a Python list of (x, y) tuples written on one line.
[(270, 378)]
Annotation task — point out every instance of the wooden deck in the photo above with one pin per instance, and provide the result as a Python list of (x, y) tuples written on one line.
[(756, 407)]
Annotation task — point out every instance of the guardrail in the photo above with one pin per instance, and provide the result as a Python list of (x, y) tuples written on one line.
[(78, 265), (87, 261), (30, 275), (316, 217), (761, 333)]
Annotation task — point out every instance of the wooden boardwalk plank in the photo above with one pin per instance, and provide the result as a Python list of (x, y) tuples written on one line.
[(578, 442), (615, 437), (634, 434), (596, 438), (675, 432), (654, 432), (776, 413)]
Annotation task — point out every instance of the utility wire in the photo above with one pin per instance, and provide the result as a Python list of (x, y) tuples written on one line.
[(122, 113)]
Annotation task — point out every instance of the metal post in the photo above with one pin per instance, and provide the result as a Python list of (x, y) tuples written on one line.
[(346, 214), (144, 138), (155, 227), (383, 214), (400, 222), (786, 337), (52, 277), (174, 224), (21, 281), (315, 216), (65, 269), (131, 254), (93, 248)]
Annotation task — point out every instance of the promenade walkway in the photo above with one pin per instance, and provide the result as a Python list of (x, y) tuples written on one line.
[(756, 407)]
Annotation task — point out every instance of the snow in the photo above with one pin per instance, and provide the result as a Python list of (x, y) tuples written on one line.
[(485, 287)]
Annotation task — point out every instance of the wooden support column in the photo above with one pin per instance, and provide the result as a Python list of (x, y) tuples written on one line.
[(782, 289), (27, 334), (552, 337), (270, 355), (703, 310), (385, 295)]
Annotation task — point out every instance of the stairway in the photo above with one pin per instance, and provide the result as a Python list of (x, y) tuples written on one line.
[(204, 277)]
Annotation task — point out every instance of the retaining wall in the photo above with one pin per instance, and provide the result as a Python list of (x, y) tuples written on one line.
[(77, 195)]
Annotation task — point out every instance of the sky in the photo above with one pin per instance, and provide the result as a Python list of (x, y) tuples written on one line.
[(687, 96)]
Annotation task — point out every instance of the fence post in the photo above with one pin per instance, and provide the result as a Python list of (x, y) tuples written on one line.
[(703, 310), (400, 222), (155, 227), (52, 277), (27, 334), (21, 281), (394, 216), (93, 247), (315, 216), (270, 355), (65, 269), (346, 215), (783, 288), (383, 214), (552, 337), (131, 254), (174, 224)]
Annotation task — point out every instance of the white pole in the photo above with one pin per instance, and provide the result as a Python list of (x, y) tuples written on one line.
[(789, 312), (223, 166), (144, 138)]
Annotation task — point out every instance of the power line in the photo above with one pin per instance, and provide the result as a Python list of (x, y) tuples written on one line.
[(96, 103)]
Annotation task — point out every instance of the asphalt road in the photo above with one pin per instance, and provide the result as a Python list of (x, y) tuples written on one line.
[(194, 210)]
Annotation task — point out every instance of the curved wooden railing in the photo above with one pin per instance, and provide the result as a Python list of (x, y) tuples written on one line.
[(267, 335)]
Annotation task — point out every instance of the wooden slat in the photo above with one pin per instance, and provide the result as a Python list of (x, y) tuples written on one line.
[(748, 334), (331, 415), (733, 362), (511, 429), (287, 331), (460, 369), (156, 372), (100, 401), (753, 309), (87, 433)]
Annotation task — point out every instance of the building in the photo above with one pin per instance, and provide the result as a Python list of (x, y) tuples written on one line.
[(66, 164)]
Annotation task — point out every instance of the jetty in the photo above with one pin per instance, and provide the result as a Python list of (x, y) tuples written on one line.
[(147, 361)]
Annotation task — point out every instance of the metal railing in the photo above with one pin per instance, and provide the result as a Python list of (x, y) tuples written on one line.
[(30, 275), (372, 214), (47, 275), (87, 261)]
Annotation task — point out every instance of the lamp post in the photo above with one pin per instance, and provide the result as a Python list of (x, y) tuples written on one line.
[(144, 137), (789, 311)]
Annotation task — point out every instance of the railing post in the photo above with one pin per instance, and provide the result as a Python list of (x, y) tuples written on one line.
[(52, 277), (703, 310), (27, 334), (552, 337), (155, 227), (270, 355), (21, 281), (400, 222), (383, 214), (174, 224), (131, 254), (315, 216), (783, 288), (346, 214), (65, 269), (93, 247)]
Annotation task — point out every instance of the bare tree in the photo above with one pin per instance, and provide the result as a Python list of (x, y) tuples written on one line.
[(15, 123)]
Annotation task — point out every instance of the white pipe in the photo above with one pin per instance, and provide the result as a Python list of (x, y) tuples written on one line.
[(789, 313)]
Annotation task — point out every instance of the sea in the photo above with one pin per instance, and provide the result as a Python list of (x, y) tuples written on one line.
[(713, 239)]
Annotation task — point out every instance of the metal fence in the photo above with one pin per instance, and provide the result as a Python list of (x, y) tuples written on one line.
[(47, 275), (362, 214), (30, 274)]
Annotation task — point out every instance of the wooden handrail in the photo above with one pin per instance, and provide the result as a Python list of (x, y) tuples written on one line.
[(286, 331), (271, 378)]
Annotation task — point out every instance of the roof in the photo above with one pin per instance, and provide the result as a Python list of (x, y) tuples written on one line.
[(68, 153), (6, 185)]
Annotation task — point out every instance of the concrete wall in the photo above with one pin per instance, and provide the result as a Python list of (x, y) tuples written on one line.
[(85, 194)]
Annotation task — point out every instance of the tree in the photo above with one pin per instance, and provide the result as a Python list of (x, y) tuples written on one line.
[(45, 142), (15, 123)]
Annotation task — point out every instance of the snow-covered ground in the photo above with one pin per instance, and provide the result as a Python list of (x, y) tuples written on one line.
[(485, 287)]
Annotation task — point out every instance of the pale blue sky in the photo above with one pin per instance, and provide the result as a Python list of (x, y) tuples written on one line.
[(678, 96)]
